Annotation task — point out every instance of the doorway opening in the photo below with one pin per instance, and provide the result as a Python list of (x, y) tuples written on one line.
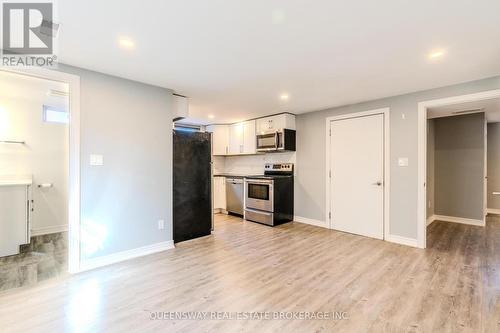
[(458, 157), (40, 176)]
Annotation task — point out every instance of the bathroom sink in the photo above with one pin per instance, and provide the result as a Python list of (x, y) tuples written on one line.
[(12, 180)]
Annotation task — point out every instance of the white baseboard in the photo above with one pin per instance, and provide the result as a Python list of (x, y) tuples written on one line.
[(390, 238), (431, 219), (93, 263), (461, 220), (402, 240), (49, 230), (493, 211), (305, 220)]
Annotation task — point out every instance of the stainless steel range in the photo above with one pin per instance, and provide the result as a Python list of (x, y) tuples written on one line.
[(269, 198)]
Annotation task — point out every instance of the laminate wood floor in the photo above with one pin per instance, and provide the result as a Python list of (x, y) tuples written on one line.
[(244, 268)]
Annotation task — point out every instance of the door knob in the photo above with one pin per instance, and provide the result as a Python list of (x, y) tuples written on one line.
[(377, 184)]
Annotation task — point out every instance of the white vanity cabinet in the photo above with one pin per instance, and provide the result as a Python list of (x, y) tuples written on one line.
[(15, 198)]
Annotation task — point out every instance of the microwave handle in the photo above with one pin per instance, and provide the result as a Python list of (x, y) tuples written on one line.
[(277, 139)]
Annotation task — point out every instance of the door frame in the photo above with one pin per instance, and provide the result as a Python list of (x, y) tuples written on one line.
[(73, 82), (422, 152), (387, 175)]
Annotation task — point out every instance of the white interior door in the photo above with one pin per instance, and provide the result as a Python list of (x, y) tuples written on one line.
[(357, 175)]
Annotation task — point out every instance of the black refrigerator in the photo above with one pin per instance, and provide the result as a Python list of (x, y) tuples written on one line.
[(192, 185)]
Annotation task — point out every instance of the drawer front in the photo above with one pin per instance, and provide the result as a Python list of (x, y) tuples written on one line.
[(259, 216)]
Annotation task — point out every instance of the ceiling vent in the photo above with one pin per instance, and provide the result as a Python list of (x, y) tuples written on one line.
[(58, 93)]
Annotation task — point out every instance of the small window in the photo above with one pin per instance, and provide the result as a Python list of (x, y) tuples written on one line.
[(54, 115)]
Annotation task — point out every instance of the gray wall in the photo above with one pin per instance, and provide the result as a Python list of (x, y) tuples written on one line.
[(493, 165), (130, 123), (459, 166), (310, 180), (430, 167)]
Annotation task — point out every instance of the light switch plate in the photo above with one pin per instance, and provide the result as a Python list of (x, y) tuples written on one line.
[(161, 224), (96, 160), (403, 161)]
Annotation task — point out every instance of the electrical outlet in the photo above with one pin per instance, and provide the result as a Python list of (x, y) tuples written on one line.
[(161, 224), (403, 161), (96, 160)]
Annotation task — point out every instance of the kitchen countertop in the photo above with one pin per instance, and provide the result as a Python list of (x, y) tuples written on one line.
[(229, 175)]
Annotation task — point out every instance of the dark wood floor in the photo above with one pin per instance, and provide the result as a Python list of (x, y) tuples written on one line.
[(452, 286)]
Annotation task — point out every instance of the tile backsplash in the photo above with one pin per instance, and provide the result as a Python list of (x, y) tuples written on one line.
[(218, 164), (250, 164)]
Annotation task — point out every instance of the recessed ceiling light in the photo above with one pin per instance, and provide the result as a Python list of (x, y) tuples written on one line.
[(211, 116), (436, 54), (284, 97), (126, 43)]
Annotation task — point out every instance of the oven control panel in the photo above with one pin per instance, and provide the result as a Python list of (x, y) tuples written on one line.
[(279, 167)]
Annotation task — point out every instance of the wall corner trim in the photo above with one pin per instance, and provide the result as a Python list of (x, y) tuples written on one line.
[(305, 220), (125, 255), (460, 220), (402, 240), (431, 219)]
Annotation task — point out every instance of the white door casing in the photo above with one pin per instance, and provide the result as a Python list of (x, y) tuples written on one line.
[(422, 151), (73, 82)]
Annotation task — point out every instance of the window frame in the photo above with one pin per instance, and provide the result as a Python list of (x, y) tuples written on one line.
[(47, 108)]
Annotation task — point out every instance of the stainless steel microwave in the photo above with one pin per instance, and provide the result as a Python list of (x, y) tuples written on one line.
[(281, 140)]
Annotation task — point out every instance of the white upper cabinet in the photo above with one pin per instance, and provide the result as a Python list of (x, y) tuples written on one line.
[(274, 123), (249, 138), (220, 139), (235, 139), (242, 138), (236, 136)]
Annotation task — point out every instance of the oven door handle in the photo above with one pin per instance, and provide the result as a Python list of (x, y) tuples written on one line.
[(259, 182), (259, 211)]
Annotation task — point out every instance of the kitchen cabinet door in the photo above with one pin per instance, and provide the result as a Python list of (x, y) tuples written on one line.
[(249, 138), (220, 193), (265, 125), (220, 139), (274, 123), (236, 134)]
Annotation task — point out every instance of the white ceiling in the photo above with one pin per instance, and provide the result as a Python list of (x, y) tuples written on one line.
[(234, 58), (491, 108)]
